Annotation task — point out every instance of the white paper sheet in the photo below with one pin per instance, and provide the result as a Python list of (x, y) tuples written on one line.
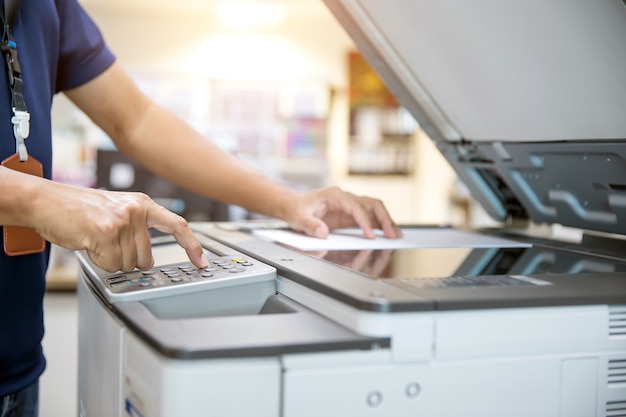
[(352, 239)]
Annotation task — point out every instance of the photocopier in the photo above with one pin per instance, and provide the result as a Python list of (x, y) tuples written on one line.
[(526, 100)]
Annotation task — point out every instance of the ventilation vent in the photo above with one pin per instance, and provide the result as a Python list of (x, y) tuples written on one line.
[(617, 321), (617, 371), (616, 409)]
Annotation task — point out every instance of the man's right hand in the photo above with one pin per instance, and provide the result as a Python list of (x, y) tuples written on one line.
[(111, 226)]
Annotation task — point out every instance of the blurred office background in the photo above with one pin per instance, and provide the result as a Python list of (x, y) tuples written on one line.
[(277, 82)]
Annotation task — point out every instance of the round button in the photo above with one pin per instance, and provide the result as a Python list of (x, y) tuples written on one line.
[(145, 284), (149, 272), (207, 275), (374, 399), (228, 266), (210, 269), (413, 390), (176, 279), (236, 270)]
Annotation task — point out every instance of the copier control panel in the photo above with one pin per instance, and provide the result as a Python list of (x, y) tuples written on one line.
[(220, 269), (181, 276)]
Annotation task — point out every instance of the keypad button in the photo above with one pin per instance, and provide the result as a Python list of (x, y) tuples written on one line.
[(207, 275), (115, 278), (176, 279)]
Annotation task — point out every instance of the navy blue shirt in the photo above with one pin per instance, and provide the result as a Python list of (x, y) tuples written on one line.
[(59, 47)]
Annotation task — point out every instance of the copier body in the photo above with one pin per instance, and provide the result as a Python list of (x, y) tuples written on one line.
[(309, 337), (525, 99)]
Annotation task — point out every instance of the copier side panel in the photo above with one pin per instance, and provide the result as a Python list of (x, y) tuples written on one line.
[(548, 361), (549, 385), (99, 351), (513, 387)]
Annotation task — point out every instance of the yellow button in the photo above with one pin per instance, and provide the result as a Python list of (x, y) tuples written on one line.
[(236, 259)]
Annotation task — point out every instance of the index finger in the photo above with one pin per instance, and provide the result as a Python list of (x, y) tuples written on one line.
[(390, 229), (359, 215), (165, 221)]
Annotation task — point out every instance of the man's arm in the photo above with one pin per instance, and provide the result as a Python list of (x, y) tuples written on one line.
[(170, 148)]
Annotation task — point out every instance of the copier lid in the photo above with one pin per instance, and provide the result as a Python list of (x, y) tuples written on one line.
[(526, 99)]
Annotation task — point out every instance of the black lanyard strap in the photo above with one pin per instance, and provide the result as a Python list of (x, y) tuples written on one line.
[(11, 7), (9, 51), (8, 46)]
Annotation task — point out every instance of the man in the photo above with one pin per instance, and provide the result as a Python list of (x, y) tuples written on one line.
[(61, 50)]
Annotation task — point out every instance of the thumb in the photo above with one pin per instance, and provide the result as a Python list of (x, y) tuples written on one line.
[(315, 227)]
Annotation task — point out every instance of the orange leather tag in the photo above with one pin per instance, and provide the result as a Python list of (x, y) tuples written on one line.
[(23, 240)]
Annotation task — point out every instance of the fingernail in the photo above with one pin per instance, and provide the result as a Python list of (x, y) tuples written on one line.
[(204, 261)]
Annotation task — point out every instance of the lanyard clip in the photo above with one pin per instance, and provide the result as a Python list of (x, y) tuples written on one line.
[(21, 130)]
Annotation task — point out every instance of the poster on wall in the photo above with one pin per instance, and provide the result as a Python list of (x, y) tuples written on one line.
[(366, 87), (381, 130)]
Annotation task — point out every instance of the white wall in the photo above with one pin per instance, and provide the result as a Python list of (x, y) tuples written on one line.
[(194, 42)]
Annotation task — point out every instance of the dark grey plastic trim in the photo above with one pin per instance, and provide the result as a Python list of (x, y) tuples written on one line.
[(296, 330), (386, 296)]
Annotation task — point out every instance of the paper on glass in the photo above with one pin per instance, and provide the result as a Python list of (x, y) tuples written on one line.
[(352, 239)]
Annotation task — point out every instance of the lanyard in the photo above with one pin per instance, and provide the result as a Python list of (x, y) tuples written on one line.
[(21, 117), (18, 240)]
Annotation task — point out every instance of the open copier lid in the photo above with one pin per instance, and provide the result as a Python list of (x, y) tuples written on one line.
[(525, 99)]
